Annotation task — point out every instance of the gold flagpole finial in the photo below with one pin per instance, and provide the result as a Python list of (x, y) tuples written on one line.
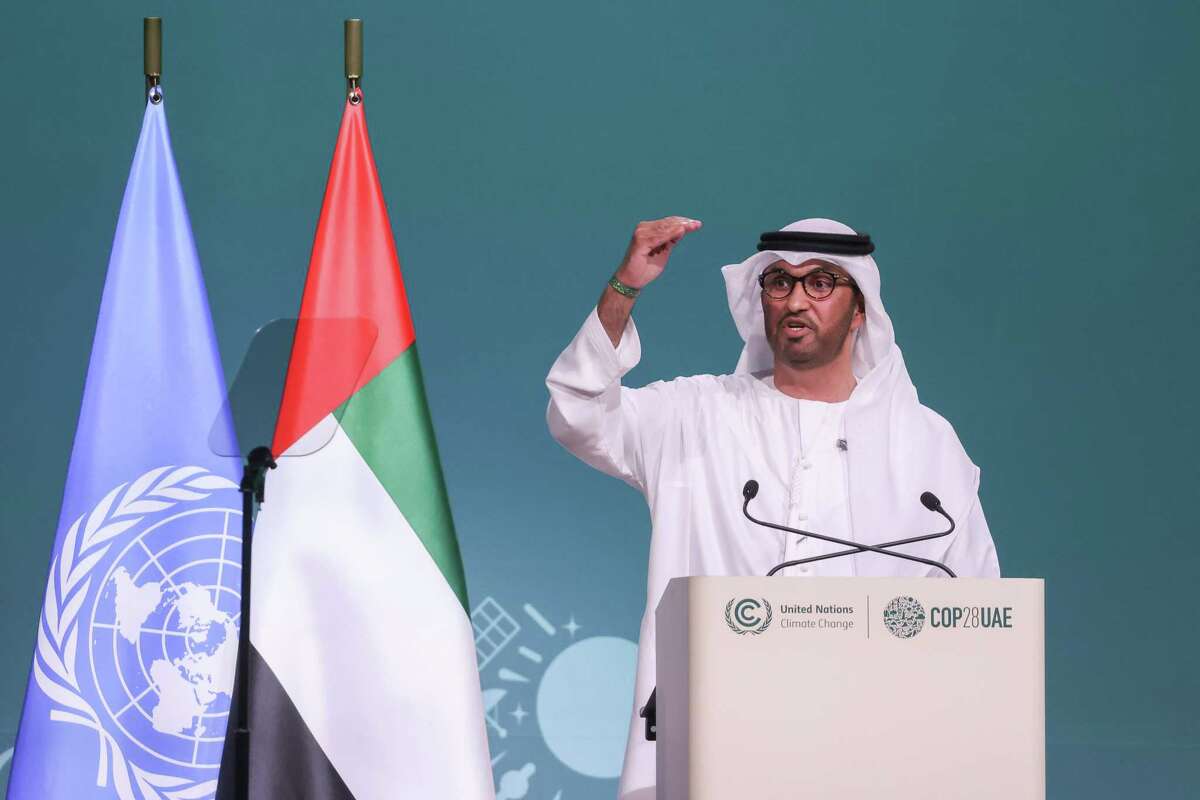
[(152, 53), (354, 58)]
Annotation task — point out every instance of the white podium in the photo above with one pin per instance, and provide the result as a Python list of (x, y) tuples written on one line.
[(841, 688)]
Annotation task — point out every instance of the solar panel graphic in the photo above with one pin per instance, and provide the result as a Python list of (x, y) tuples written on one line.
[(494, 629)]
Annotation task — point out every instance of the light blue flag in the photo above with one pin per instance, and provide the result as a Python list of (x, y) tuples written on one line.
[(130, 686)]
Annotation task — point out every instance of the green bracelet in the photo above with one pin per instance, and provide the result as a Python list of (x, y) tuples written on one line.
[(621, 288)]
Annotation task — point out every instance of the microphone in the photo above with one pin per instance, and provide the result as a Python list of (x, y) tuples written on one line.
[(928, 499)]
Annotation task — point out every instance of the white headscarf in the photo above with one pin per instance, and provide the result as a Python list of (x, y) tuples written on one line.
[(897, 447), (876, 339)]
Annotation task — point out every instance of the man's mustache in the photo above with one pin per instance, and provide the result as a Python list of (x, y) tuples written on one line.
[(798, 318)]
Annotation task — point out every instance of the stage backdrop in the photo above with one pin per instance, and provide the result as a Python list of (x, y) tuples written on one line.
[(1029, 172)]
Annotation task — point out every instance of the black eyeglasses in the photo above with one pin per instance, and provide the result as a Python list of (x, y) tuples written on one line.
[(818, 284)]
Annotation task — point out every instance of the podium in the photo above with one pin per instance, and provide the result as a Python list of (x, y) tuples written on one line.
[(849, 688)]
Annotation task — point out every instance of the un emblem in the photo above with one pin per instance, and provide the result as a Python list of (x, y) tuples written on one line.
[(748, 615), (139, 631), (904, 617)]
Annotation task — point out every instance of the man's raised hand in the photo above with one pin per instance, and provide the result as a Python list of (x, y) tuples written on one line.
[(644, 261), (650, 247)]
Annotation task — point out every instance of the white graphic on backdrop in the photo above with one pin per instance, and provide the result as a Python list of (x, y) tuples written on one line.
[(550, 692), (514, 784)]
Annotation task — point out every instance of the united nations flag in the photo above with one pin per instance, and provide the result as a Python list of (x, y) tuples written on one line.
[(136, 644)]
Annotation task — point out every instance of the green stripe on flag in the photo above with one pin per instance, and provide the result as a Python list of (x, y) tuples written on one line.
[(388, 421)]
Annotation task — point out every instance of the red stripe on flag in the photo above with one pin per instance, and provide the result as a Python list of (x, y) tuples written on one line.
[(354, 273)]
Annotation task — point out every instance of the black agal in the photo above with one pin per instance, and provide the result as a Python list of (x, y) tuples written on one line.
[(837, 244)]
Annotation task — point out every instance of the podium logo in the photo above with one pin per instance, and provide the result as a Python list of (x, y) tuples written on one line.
[(904, 617), (748, 615)]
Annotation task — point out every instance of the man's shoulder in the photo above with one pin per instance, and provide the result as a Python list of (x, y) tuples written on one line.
[(704, 384), (934, 419), (938, 428)]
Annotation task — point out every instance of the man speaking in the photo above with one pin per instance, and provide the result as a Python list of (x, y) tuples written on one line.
[(820, 411)]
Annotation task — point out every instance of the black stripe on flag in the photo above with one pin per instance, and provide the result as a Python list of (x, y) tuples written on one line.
[(286, 762)]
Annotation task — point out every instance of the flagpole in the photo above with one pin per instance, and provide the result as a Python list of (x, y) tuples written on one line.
[(152, 56), (354, 59), (260, 459)]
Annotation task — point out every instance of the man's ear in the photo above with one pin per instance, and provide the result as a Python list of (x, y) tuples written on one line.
[(860, 312)]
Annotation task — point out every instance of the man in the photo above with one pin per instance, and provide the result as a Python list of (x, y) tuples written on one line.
[(820, 411)]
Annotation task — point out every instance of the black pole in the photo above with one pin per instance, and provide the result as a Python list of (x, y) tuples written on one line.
[(253, 489)]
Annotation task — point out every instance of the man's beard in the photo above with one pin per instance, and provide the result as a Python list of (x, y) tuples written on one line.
[(818, 348)]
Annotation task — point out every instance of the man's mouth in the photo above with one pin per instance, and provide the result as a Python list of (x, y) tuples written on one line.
[(795, 327)]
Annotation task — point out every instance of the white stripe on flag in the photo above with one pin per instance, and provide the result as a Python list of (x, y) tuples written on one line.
[(364, 633)]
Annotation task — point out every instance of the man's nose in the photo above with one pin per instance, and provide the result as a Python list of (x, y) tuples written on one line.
[(798, 300)]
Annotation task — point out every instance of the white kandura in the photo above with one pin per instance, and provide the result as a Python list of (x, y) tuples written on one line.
[(690, 444)]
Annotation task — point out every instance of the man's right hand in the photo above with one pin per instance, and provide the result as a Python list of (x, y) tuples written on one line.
[(650, 247), (644, 261)]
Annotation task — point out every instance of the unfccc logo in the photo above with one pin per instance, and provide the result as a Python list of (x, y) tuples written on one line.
[(748, 615), (904, 617)]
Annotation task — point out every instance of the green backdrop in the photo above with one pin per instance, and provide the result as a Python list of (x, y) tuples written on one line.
[(1028, 170)]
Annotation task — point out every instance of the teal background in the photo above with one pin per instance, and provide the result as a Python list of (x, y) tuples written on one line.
[(1029, 172)]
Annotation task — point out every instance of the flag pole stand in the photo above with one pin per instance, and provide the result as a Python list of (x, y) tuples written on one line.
[(253, 489), (152, 56), (354, 59)]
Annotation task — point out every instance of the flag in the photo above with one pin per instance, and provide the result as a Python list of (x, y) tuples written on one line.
[(133, 668), (364, 679)]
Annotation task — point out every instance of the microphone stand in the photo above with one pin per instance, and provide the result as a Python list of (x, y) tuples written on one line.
[(854, 547), (885, 545)]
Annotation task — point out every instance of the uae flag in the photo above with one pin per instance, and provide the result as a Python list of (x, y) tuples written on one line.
[(363, 674)]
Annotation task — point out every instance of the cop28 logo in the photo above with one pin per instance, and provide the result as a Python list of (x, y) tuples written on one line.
[(748, 615), (904, 617)]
